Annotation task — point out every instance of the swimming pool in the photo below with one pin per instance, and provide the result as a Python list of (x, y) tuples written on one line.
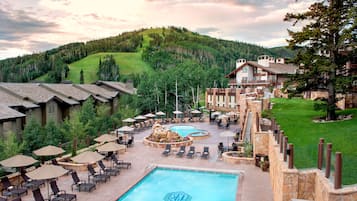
[(167, 184), (185, 131)]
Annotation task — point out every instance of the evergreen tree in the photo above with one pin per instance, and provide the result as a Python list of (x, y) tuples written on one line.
[(10, 146), (108, 69), (330, 28), (33, 136), (81, 78)]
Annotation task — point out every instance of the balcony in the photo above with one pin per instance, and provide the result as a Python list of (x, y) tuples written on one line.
[(257, 82)]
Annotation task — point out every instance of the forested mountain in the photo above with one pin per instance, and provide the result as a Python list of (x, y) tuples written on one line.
[(162, 48), (166, 55)]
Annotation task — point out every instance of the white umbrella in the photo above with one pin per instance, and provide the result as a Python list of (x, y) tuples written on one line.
[(231, 113), (125, 129), (177, 112), (105, 138), (223, 116), (159, 113), (150, 115), (129, 120), (216, 113), (195, 112), (87, 157), (140, 117)]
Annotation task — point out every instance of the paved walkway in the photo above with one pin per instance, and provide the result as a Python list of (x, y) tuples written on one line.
[(254, 186)]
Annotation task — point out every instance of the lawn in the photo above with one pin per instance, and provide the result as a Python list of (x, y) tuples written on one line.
[(129, 63), (295, 118)]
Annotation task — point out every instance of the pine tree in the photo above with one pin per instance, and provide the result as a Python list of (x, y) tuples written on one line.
[(81, 78), (330, 27)]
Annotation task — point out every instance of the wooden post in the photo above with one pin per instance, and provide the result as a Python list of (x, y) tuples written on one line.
[(338, 170), (291, 156), (281, 141), (320, 155), (285, 147), (328, 160)]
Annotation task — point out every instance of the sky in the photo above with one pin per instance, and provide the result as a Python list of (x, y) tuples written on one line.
[(31, 26)]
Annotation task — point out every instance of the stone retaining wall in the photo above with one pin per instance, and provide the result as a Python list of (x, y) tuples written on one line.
[(302, 184)]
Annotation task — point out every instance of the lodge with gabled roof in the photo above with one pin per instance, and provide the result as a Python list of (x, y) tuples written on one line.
[(45, 102)]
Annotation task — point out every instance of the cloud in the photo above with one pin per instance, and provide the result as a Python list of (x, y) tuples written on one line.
[(18, 24)]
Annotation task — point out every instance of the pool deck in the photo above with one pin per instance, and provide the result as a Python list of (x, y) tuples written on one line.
[(254, 185)]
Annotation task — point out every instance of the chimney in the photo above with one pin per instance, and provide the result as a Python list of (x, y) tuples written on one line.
[(240, 62), (264, 60), (280, 61)]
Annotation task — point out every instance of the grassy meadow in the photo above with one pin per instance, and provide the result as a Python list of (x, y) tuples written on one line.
[(295, 118), (129, 63)]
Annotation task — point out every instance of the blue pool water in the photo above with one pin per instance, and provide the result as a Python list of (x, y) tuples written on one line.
[(183, 185), (187, 130)]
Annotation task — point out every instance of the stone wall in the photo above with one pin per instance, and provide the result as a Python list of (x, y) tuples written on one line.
[(301, 184)]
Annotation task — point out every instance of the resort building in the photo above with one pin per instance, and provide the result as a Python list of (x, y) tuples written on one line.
[(256, 79), (50, 102), (266, 72)]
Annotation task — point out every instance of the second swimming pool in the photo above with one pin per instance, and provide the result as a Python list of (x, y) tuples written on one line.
[(185, 131)]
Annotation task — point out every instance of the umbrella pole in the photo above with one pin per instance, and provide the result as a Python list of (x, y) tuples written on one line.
[(48, 190)]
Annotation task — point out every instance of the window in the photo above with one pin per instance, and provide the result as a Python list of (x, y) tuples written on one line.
[(51, 107), (245, 69)]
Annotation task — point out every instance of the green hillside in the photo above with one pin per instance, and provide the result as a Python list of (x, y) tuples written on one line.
[(129, 63)]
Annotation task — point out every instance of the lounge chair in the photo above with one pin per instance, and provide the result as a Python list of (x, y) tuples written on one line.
[(10, 190), (120, 163), (81, 185), (191, 152), (61, 194), (107, 170), (96, 177), (205, 153), (181, 152), (167, 150), (29, 183)]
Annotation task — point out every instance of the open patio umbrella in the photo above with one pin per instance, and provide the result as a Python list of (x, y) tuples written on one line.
[(159, 113), (129, 120), (47, 172), (150, 115), (105, 138), (87, 157), (140, 117), (227, 134), (18, 161), (195, 112), (125, 129), (111, 146), (49, 150)]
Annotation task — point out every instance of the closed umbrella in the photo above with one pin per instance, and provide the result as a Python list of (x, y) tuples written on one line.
[(105, 138), (87, 157), (47, 172)]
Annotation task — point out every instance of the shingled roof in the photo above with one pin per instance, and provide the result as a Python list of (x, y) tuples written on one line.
[(274, 68), (119, 86), (7, 113), (15, 101), (33, 91), (97, 91)]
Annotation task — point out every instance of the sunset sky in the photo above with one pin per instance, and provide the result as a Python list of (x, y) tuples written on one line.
[(28, 26)]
